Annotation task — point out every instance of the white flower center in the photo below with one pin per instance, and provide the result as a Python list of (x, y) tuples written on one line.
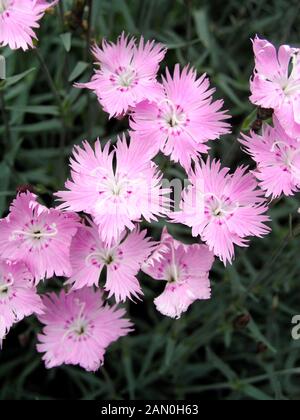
[(286, 155), (291, 84), (219, 208), (78, 328), (172, 118), (4, 5), (35, 232), (124, 78), (173, 273), (106, 257), (5, 285)]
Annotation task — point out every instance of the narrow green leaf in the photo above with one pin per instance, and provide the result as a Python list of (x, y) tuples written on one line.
[(67, 40)]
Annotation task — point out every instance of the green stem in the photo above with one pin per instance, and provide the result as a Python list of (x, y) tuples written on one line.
[(291, 235), (88, 46), (90, 26), (59, 101), (7, 136), (48, 77)]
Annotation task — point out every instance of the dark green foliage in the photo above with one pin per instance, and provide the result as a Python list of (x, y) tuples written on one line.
[(216, 350)]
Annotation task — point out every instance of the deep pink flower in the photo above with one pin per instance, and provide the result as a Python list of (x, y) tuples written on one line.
[(223, 209), (278, 160), (18, 297), (115, 195), (276, 83), (123, 260), (38, 236), (78, 328), (186, 269), (127, 73), (19, 19), (183, 118)]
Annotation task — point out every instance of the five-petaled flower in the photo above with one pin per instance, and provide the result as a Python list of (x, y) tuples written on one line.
[(78, 328), (276, 83), (127, 74), (183, 118), (278, 160), (185, 268), (18, 296), (123, 260), (19, 19), (116, 187), (224, 209), (38, 236)]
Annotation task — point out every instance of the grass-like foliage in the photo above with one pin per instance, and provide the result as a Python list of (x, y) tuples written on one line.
[(238, 345)]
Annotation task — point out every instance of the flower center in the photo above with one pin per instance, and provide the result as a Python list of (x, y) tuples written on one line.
[(172, 118), (290, 84), (173, 273), (286, 155), (4, 5), (5, 284), (78, 328), (219, 208), (291, 87), (36, 232), (106, 257), (124, 78), (115, 185)]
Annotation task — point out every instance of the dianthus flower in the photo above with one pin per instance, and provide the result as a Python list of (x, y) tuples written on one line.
[(78, 328), (183, 118), (38, 236), (127, 74), (224, 209), (116, 187), (276, 83), (185, 268), (18, 296), (19, 19), (278, 160), (123, 260)]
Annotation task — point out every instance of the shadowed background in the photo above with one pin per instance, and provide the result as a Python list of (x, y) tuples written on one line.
[(238, 345)]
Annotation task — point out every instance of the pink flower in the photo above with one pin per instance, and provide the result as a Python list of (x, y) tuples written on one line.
[(186, 269), (18, 297), (115, 195), (278, 160), (19, 19), (127, 74), (79, 328), (223, 209), (123, 260), (276, 83), (183, 118), (39, 237)]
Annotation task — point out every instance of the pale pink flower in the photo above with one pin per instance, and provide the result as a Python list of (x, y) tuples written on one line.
[(123, 260), (115, 195), (278, 160), (276, 82), (38, 236), (186, 270), (19, 19), (78, 328), (18, 296), (183, 118), (127, 73), (223, 209)]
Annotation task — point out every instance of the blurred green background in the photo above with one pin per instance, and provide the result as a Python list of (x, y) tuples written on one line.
[(236, 346)]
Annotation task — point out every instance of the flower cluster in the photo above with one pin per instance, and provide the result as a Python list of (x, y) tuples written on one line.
[(94, 237), (275, 85)]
